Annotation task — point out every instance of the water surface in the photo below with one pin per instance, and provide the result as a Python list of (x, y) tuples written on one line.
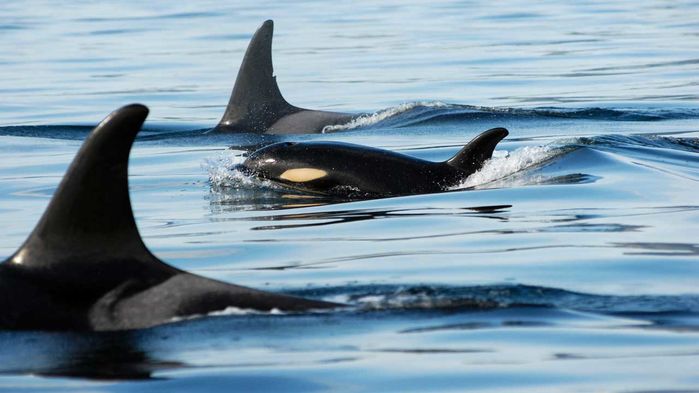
[(569, 263)]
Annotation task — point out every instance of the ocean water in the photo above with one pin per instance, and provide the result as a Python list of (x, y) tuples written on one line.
[(570, 262)]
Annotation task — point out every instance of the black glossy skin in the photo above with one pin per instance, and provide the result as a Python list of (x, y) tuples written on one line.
[(85, 267), (256, 104), (368, 170), (358, 168)]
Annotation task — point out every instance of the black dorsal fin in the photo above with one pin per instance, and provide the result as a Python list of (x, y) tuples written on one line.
[(87, 235), (256, 102), (475, 153)]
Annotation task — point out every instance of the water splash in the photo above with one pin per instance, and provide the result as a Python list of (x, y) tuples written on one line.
[(233, 190), (376, 117), (504, 164), (223, 171)]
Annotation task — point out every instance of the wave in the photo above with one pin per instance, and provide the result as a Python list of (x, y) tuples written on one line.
[(370, 119), (653, 141), (379, 298), (435, 112), (403, 297), (403, 115)]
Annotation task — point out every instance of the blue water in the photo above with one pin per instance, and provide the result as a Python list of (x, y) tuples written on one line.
[(569, 263)]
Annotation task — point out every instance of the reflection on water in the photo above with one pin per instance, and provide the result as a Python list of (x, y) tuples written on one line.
[(111, 356), (347, 216), (663, 249), (232, 199)]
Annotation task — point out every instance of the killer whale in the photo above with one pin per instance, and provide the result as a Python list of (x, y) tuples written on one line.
[(256, 104), (331, 167), (85, 266)]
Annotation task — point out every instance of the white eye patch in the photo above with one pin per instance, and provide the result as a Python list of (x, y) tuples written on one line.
[(302, 175)]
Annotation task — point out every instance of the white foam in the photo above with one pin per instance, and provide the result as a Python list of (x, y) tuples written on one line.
[(220, 169), (243, 311), (373, 118), (223, 172), (227, 312), (504, 164)]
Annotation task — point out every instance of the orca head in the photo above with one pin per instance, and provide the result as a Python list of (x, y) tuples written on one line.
[(268, 162), (285, 162)]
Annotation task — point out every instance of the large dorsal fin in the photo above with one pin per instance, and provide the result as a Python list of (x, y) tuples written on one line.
[(88, 233), (256, 102), (475, 153)]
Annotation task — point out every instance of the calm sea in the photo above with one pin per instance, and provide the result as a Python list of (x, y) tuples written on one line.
[(569, 263)]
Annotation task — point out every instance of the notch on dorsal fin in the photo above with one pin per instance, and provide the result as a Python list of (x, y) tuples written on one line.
[(256, 102), (475, 153), (87, 235)]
